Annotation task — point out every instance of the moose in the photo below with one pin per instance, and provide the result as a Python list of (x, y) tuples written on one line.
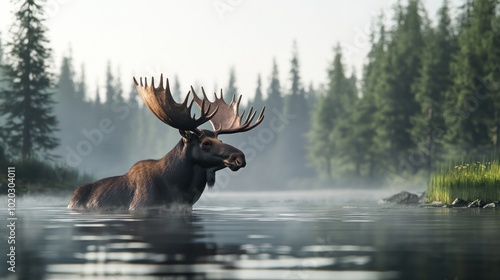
[(181, 175)]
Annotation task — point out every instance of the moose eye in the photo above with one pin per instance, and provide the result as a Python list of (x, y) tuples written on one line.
[(207, 144)]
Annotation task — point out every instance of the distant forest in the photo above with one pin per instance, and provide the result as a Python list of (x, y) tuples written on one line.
[(428, 95)]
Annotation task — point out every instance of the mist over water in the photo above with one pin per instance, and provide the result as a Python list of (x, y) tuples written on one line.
[(341, 234)]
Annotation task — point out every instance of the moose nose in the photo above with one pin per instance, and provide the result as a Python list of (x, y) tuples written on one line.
[(239, 160)]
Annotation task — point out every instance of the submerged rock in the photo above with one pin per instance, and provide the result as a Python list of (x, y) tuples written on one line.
[(494, 204), (476, 203), (432, 204), (403, 197), (458, 202)]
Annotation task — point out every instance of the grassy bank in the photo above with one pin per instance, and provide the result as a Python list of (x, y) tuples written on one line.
[(468, 181)]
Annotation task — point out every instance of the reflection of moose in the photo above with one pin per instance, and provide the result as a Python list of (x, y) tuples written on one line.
[(181, 175)]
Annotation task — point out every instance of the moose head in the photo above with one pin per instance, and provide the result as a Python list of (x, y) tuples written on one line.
[(207, 150)]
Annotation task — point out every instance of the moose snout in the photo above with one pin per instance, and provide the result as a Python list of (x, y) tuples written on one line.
[(237, 161)]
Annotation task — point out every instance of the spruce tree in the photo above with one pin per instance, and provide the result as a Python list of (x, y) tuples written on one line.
[(274, 96), (81, 85), (27, 102), (395, 100), (293, 140), (258, 99), (365, 109), (430, 88), (472, 108), (231, 89), (65, 108), (329, 135)]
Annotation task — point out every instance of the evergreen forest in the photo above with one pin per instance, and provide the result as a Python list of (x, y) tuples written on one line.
[(428, 94)]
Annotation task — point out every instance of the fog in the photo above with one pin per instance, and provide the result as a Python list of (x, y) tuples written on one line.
[(374, 112)]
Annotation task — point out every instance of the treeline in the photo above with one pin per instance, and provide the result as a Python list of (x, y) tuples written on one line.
[(428, 94), (106, 137)]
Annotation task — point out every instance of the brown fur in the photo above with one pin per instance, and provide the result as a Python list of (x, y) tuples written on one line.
[(177, 178)]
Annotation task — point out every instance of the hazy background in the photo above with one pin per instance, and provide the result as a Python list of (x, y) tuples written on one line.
[(201, 40), (252, 48)]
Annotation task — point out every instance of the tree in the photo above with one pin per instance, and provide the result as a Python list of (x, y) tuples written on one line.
[(231, 89), (65, 108), (394, 100), (329, 133), (274, 97), (66, 89), (430, 87), (81, 86), (311, 96), (114, 92), (472, 109), (348, 134), (293, 140), (258, 99), (363, 115), (27, 102)]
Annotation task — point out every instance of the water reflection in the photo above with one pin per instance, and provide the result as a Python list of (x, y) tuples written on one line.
[(230, 239)]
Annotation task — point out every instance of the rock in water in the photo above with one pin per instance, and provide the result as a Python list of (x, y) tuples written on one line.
[(458, 202), (476, 203), (432, 204), (495, 204), (403, 197)]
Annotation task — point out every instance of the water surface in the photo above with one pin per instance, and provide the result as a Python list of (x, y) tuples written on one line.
[(292, 235)]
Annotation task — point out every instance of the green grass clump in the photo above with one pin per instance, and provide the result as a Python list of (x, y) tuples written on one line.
[(468, 181)]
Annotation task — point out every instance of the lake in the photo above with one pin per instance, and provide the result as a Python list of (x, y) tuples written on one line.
[(277, 235)]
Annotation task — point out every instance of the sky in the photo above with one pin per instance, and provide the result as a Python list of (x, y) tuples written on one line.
[(200, 40)]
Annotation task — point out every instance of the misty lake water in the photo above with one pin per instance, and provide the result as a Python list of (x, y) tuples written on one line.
[(288, 235)]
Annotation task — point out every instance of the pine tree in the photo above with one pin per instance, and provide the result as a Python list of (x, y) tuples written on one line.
[(311, 96), (65, 108), (329, 133), (114, 92), (231, 89), (434, 81), (66, 89), (81, 85), (494, 72), (97, 104), (350, 137), (258, 99), (274, 96), (27, 102), (394, 98), (471, 114), (364, 110), (293, 139)]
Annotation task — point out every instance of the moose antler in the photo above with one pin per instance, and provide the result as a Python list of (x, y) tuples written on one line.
[(178, 115), (226, 119)]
